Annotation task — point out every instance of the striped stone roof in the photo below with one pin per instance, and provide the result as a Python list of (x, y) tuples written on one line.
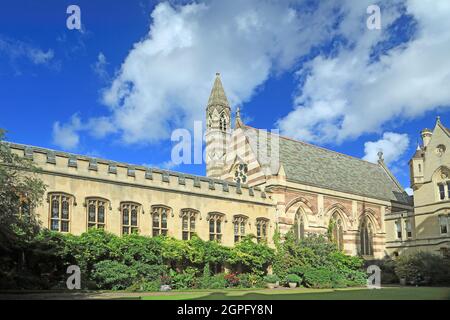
[(308, 164)]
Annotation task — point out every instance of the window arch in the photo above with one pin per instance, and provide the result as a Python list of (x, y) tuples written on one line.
[(129, 212), (366, 237), (96, 212), (299, 225), (239, 223), (261, 229), (159, 220), (60, 205), (441, 178), (215, 220), (337, 230), (188, 220), (223, 123)]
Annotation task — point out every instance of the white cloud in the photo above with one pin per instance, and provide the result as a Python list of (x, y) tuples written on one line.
[(66, 135), (393, 145), (347, 95), (166, 78), (99, 67), (16, 49)]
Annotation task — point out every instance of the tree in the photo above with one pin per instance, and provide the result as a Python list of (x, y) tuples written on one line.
[(21, 191)]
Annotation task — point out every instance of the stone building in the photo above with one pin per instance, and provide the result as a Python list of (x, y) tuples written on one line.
[(427, 227), (257, 182)]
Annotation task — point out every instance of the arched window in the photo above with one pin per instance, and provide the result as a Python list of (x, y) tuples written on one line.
[(240, 173), (159, 220), (188, 217), (261, 229), (96, 209), (239, 222), (215, 226), (223, 122), (60, 207), (337, 230), (130, 217), (299, 226), (366, 238)]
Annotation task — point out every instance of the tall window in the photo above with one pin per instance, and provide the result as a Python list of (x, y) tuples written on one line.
[(398, 229), (448, 189), (240, 173), (59, 212), (239, 223), (337, 232), (188, 217), (96, 213), (408, 228), (299, 226), (443, 224), (130, 217), (441, 191), (215, 226), (366, 238), (159, 220), (261, 229), (223, 122)]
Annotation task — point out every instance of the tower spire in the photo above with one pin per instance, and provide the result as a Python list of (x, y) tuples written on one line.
[(217, 96)]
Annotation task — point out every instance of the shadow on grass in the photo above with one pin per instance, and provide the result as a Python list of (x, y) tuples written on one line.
[(358, 294)]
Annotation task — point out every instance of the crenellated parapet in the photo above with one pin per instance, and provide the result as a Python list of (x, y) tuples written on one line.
[(60, 163)]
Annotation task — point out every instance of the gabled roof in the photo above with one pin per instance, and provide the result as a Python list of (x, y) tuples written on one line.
[(217, 96), (308, 164)]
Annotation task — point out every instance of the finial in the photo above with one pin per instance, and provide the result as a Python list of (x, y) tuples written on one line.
[(380, 155), (238, 113), (438, 119), (218, 74)]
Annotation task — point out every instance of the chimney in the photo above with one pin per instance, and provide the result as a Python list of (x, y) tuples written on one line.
[(426, 136)]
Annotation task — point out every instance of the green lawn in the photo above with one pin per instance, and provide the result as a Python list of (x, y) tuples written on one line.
[(388, 293)]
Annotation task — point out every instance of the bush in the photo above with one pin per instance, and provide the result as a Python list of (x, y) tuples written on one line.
[(113, 275), (293, 278), (272, 278), (232, 280), (250, 280), (423, 268), (184, 280)]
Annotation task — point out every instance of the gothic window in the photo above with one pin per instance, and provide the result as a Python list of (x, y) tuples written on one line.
[(240, 173), (299, 226), (398, 229), (96, 209), (408, 228), (443, 224), (441, 191), (261, 229), (210, 121), (239, 223), (130, 217), (337, 231), (59, 212), (223, 122), (215, 226), (366, 238), (188, 217), (159, 220)]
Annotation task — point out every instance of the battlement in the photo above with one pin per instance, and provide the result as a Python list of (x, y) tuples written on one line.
[(55, 162)]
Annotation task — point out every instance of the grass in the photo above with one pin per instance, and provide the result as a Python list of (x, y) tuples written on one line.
[(387, 293)]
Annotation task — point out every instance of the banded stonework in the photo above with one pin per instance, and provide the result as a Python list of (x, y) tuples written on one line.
[(289, 184)]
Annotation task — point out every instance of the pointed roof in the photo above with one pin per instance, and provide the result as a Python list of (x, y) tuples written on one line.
[(316, 166), (217, 96)]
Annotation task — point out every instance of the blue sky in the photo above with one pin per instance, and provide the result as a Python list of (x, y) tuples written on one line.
[(139, 69)]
